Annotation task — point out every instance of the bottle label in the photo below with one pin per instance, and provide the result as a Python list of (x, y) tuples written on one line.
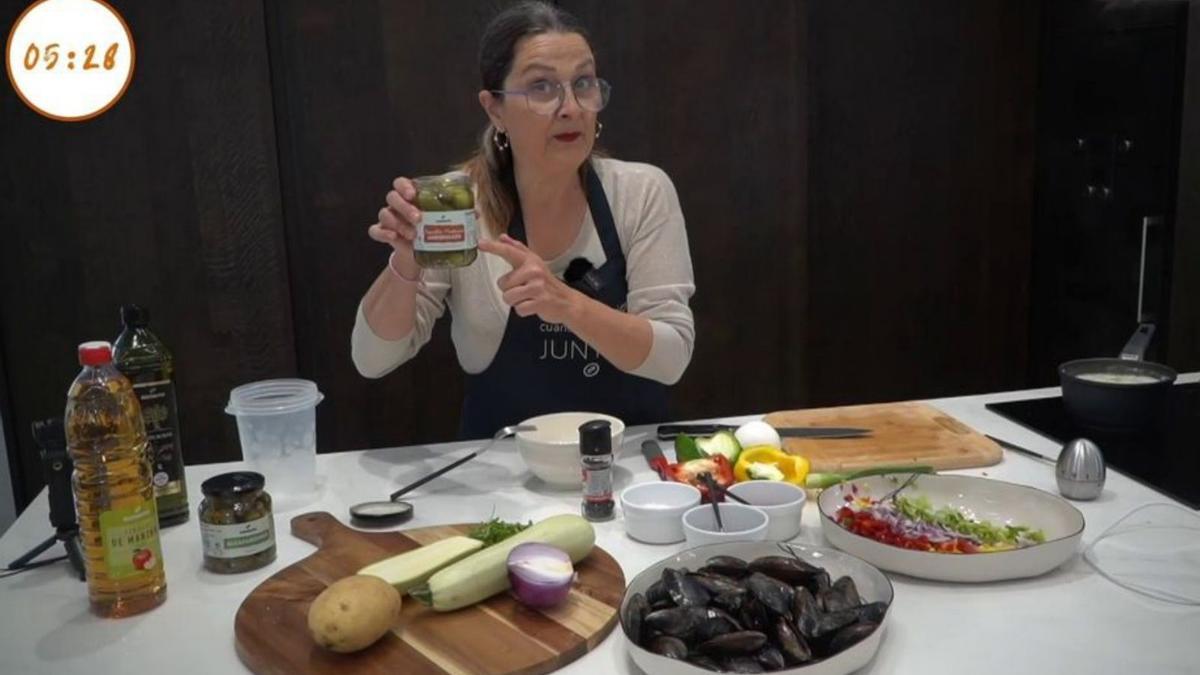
[(159, 412), (130, 539), (446, 231), (238, 541)]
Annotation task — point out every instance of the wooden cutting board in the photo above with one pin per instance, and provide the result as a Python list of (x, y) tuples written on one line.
[(497, 636), (902, 433)]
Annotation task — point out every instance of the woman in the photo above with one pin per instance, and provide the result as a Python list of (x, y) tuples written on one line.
[(530, 342)]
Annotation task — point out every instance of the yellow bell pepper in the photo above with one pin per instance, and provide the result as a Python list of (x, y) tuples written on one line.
[(793, 467)]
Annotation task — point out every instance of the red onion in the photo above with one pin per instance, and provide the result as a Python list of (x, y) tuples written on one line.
[(540, 574)]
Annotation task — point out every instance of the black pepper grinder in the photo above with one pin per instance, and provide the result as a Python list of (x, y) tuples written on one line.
[(595, 449)]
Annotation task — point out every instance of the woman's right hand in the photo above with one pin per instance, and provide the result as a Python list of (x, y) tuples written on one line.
[(398, 220)]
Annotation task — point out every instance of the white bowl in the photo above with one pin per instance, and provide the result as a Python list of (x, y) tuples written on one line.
[(782, 502), (985, 499), (552, 451), (872, 586), (654, 511), (742, 523)]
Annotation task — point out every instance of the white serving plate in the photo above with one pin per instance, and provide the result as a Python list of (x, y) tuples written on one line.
[(872, 585), (982, 498)]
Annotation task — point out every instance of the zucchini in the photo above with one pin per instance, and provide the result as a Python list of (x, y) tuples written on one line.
[(485, 573), (414, 567)]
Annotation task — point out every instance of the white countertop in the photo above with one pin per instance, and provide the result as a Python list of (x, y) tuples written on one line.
[(1069, 621)]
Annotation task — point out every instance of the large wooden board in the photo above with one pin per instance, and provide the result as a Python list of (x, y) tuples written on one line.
[(496, 636), (902, 433)]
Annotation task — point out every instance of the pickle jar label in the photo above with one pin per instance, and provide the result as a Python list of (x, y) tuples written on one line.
[(240, 540), (130, 540), (441, 231)]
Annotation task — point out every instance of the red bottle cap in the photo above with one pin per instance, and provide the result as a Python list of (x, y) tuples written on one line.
[(95, 353)]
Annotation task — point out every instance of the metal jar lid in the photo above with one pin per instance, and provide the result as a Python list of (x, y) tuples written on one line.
[(233, 484)]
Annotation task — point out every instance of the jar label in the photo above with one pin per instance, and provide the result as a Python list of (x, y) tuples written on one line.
[(441, 231), (130, 540), (238, 541)]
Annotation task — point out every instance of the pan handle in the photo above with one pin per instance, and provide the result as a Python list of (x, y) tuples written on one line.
[(1147, 223), (1135, 349)]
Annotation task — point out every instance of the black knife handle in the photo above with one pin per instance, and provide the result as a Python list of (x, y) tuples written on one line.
[(667, 432)]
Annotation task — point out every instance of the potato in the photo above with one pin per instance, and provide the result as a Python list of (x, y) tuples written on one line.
[(353, 613)]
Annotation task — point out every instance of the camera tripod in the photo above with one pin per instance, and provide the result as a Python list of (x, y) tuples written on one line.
[(57, 467), (69, 536)]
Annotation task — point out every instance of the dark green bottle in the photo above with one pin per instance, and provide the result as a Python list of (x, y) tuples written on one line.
[(145, 360)]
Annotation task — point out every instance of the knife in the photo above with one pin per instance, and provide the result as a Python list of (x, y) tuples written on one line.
[(655, 459), (668, 432)]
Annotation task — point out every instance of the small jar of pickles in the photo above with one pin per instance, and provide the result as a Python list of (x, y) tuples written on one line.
[(237, 527), (447, 235)]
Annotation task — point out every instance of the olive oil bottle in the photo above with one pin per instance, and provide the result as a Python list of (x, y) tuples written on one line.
[(118, 521), (145, 360)]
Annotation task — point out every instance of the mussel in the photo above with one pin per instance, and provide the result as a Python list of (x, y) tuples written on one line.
[(733, 644), (850, 635), (656, 594), (717, 584), (670, 647), (680, 622), (805, 612), (635, 613), (774, 594), (790, 570), (772, 613), (770, 658), (726, 565), (730, 602), (793, 647), (684, 590), (705, 662)]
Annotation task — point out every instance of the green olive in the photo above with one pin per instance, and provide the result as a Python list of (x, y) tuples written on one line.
[(427, 200), (461, 199)]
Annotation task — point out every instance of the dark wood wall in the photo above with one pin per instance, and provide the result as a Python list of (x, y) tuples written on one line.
[(856, 178), (171, 199), (921, 151), (1183, 340)]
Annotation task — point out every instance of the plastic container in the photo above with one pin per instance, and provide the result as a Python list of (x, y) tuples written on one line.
[(277, 427)]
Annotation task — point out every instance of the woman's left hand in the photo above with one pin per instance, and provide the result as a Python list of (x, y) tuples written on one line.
[(530, 288)]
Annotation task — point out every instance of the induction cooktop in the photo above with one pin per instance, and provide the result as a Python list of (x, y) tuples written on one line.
[(1165, 457)]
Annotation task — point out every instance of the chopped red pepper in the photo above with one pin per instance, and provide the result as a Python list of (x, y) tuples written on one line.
[(690, 472), (866, 524)]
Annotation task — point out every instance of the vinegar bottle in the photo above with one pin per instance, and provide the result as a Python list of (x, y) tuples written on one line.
[(114, 496)]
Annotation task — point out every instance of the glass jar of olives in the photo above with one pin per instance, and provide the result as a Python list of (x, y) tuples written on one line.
[(447, 234), (237, 527)]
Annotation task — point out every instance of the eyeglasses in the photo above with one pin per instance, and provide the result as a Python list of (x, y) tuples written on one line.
[(546, 97)]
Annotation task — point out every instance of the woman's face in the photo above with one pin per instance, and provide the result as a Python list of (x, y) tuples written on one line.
[(562, 139)]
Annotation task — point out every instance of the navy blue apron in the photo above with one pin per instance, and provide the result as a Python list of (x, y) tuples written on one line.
[(543, 368)]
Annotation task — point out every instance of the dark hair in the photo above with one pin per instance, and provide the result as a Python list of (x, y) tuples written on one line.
[(490, 167)]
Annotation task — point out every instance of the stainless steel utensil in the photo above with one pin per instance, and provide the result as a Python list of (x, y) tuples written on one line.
[(1080, 470), (713, 489), (394, 511)]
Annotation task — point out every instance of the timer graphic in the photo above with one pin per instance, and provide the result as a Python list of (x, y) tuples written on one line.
[(70, 60)]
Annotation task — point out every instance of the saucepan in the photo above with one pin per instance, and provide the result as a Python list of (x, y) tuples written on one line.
[(1125, 393)]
